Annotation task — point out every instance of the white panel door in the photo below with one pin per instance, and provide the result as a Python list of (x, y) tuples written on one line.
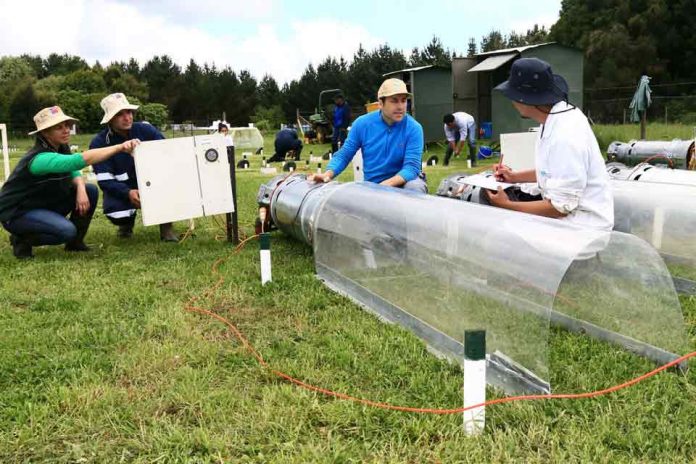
[(358, 174), (214, 174), (168, 180), (518, 149)]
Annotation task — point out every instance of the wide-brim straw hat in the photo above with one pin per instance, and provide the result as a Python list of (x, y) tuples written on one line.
[(49, 117), (112, 104), (392, 87)]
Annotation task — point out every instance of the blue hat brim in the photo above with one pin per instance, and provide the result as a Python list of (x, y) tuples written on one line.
[(550, 97)]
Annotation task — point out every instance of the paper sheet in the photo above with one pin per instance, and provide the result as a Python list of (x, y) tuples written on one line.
[(486, 181)]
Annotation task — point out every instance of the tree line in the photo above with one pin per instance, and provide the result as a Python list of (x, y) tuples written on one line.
[(201, 93), (621, 40)]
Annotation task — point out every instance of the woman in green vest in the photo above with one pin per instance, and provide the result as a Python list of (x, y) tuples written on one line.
[(47, 185)]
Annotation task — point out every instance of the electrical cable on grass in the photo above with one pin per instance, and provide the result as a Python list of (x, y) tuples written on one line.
[(377, 404)]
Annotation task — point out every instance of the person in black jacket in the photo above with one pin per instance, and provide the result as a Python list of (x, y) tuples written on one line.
[(287, 143), (47, 185), (117, 176)]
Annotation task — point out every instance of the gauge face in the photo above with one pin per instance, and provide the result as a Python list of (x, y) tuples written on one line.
[(211, 155)]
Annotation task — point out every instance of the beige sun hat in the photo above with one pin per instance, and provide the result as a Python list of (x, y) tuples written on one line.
[(112, 104), (49, 117), (392, 87)]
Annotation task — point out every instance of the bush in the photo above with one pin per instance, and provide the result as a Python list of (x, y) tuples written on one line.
[(268, 119), (154, 113), (84, 107)]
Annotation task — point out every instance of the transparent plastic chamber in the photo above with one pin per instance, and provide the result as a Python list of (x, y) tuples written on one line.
[(653, 203), (663, 214), (439, 268), (246, 138)]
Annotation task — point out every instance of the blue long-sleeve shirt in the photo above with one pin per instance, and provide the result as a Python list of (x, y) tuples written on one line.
[(386, 150), (341, 116)]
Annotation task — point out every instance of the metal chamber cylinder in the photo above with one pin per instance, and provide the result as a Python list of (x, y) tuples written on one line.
[(293, 203), (439, 267), (645, 172), (679, 152)]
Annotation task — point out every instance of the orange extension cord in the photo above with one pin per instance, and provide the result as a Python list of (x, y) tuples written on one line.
[(240, 336)]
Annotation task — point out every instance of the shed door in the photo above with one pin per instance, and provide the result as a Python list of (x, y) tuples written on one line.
[(465, 86)]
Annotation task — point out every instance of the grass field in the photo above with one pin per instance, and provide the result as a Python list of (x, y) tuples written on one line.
[(99, 362)]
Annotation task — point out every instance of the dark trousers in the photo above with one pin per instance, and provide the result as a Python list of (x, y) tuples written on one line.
[(513, 193), (283, 147), (123, 221), (50, 226), (339, 135), (450, 151)]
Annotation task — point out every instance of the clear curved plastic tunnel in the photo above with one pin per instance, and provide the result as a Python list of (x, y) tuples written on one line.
[(443, 267), (662, 214)]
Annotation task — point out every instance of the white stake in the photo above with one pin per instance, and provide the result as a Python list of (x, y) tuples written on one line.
[(265, 252), (474, 381), (658, 227)]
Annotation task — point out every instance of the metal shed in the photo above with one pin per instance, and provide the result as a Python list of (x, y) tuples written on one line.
[(473, 80), (432, 96)]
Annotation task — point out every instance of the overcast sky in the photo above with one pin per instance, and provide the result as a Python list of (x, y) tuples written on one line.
[(274, 37)]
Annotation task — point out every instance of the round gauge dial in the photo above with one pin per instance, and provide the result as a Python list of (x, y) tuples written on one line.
[(211, 155)]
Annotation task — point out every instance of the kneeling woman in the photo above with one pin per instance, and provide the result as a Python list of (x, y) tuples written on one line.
[(47, 185)]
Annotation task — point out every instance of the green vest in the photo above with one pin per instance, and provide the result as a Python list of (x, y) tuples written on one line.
[(25, 191)]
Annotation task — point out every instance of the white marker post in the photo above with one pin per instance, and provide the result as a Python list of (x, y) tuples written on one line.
[(265, 252), (5, 151), (474, 381), (658, 227)]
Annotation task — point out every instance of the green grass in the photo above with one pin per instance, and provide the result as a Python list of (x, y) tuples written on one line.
[(99, 362)]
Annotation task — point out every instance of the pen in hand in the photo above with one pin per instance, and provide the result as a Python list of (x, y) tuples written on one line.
[(499, 177)]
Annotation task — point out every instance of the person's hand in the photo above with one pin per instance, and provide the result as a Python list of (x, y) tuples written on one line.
[(503, 173), (82, 202), (134, 197), (129, 145), (499, 198), (316, 178)]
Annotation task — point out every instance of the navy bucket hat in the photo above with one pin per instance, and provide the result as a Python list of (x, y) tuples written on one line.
[(532, 82)]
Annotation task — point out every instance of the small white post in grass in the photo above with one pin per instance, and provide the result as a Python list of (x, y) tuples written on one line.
[(369, 258), (319, 168), (265, 251), (5, 151), (474, 381), (658, 227)]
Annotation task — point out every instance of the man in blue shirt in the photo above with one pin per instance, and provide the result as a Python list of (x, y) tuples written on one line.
[(391, 142), (341, 121), (116, 176)]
